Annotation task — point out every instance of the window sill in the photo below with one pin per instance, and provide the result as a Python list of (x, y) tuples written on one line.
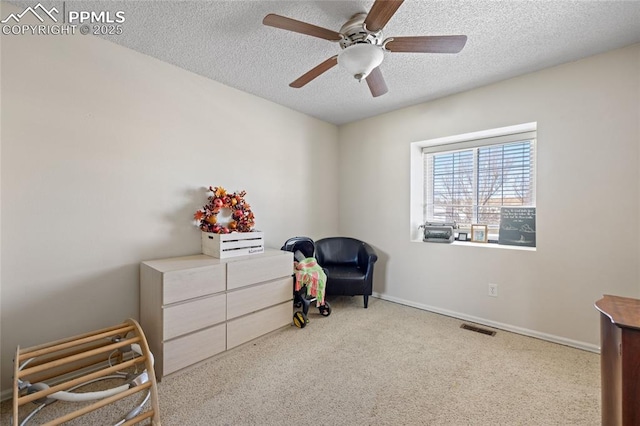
[(482, 245)]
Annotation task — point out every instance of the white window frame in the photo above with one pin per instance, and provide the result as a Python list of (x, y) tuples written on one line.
[(474, 139)]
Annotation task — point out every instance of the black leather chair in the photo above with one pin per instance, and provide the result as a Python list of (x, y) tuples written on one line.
[(348, 263)]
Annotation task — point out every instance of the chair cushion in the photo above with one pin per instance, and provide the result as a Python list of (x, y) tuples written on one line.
[(344, 272), (345, 280)]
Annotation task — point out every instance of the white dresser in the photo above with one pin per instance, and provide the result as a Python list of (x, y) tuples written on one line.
[(194, 307)]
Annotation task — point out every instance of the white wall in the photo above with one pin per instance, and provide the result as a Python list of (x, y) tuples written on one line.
[(588, 204), (105, 154)]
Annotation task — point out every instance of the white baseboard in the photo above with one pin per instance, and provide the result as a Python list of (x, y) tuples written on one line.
[(494, 324), (6, 394)]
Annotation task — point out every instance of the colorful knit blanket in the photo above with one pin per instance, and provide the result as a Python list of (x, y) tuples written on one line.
[(311, 275)]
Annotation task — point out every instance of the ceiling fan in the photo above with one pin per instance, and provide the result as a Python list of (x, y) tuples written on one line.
[(363, 45)]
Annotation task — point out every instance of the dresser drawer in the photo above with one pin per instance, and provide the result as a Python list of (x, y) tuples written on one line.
[(187, 284), (184, 318), (185, 351), (259, 268), (256, 297), (249, 327)]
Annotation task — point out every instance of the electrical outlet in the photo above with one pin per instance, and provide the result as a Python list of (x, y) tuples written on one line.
[(493, 290)]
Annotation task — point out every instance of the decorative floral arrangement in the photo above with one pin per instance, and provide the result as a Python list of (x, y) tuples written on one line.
[(242, 219)]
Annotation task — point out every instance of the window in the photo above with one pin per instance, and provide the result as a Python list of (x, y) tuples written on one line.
[(469, 181)]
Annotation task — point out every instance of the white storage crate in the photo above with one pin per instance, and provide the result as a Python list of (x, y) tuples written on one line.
[(222, 246)]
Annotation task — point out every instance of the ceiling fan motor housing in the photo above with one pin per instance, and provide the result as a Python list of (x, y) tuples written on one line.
[(355, 32)]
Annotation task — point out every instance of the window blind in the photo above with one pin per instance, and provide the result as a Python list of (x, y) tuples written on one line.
[(467, 182)]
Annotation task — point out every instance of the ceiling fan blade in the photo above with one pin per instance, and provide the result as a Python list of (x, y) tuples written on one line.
[(315, 72), (289, 24), (427, 44), (376, 83), (380, 13)]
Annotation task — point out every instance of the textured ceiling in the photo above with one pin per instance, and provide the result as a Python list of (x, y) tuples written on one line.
[(226, 41)]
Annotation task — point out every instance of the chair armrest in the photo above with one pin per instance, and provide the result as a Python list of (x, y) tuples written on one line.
[(367, 256)]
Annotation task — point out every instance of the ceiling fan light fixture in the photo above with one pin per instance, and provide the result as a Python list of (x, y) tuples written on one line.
[(360, 59)]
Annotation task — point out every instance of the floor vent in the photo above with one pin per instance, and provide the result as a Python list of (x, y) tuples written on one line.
[(478, 329)]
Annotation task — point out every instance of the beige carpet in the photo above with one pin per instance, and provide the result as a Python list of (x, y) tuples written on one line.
[(386, 365)]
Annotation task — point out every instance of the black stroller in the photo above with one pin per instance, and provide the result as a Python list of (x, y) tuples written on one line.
[(303, 247)]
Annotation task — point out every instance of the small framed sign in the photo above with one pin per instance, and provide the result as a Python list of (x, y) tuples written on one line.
[(462, 236), (479, 233), (518, 226)]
